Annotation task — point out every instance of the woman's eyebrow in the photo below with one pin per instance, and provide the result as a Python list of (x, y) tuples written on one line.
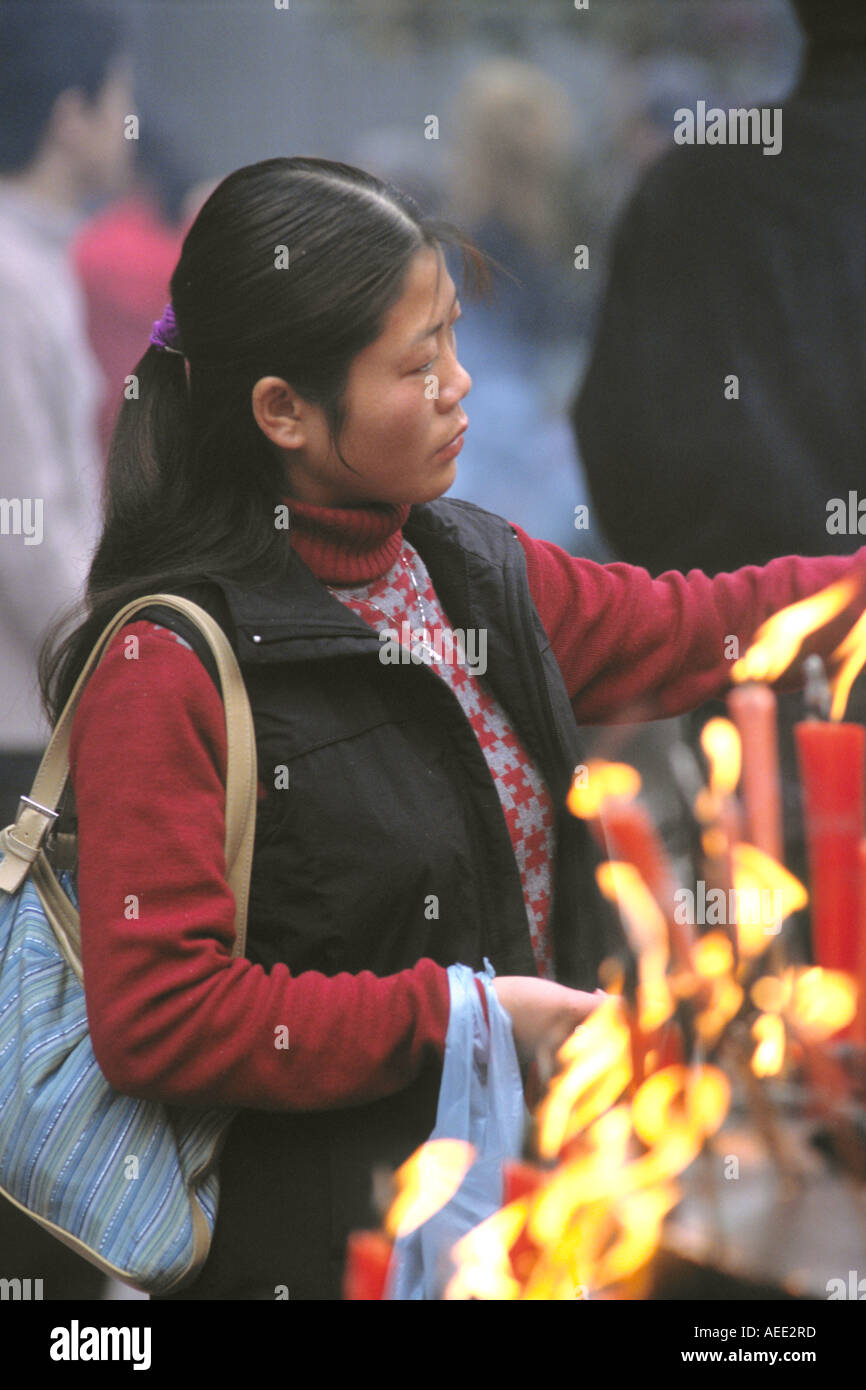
[(428, 332)]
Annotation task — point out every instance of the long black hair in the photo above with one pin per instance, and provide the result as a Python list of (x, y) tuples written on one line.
[(192, 483)]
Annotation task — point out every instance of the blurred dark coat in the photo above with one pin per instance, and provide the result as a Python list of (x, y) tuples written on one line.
[(730, 261)]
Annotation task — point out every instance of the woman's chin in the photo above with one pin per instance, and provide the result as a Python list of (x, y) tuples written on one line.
[(434, 486), (445, 479)]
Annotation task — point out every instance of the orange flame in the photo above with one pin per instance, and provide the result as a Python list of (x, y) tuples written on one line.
[(780, 638), (692, 1100), (821, 1002), (851, 652), (426, 1182), (483, 1268), (602, 1212), (597, 1062), (714, 965), (766, 893), (813, 1002), (770, 993), (647, 931), (720, 741), (594, 782), (713, 956), (597, 1219), (769, 1032)]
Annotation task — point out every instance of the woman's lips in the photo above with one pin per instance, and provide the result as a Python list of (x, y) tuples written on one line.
[(454, 445)]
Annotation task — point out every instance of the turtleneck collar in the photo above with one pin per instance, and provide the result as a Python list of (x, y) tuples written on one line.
[(347, 545)]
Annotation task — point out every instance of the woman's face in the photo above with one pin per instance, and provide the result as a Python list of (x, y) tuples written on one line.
[(395, 425)]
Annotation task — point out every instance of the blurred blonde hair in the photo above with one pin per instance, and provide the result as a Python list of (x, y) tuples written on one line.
[(516, 127)]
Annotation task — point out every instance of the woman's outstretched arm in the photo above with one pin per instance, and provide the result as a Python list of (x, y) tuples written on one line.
[(631, 647)]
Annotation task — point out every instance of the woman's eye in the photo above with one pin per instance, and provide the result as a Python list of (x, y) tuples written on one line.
[(428, 365)]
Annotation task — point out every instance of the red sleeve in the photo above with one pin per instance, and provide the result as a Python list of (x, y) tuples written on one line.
[(631, 647), (172, 1016)]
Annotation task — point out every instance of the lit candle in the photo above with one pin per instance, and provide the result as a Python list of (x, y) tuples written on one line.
[(717, 810), (631, 835), (753, 708), (367, 1256), (831, 771), (623, 828)]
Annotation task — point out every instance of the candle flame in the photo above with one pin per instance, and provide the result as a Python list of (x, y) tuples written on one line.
[(647, 932), (769, 1032), (594, 782), (724, 1003), (780, 638), (822, 1002), (597, 1062), (426, 1182), (766, 893), (713, 956), (720, 741), (601, 1212), (720, 994), (770, 993), (483, 1269), (851, 653)]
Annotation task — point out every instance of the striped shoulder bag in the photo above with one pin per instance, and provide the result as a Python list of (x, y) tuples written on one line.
[(67, 1138)]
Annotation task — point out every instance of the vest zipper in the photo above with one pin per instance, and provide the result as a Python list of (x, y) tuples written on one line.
[(535, 663)]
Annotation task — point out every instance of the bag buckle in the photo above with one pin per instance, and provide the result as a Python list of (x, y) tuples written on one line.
[(44, 810)]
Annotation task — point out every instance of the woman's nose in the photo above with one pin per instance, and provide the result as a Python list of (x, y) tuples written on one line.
[(457, 385)]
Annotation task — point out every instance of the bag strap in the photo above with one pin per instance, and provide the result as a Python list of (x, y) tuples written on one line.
[(21, 843)]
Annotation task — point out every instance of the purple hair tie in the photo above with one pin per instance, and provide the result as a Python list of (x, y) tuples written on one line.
[(165, 335)]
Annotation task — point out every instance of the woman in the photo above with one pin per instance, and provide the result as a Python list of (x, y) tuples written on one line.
[(415, 668)]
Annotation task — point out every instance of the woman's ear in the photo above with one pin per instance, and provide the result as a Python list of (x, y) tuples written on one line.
[(279, 412)]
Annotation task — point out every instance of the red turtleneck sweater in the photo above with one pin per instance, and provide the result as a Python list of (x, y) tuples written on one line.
[(172, 1016)]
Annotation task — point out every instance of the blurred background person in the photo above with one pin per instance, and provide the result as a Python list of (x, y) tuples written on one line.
[(65, 89), (729, 261), (514, 186), (124, 257)]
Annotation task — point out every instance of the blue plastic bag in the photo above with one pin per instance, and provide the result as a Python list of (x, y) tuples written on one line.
[(480, 1100)]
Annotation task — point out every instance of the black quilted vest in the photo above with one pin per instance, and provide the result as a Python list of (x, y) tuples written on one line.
[(379, 798)]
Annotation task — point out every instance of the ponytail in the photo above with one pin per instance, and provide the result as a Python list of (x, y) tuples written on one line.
[(160, 527)]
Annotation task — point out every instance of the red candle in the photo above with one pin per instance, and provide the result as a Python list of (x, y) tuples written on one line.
[(518, 1179), (631, 836), (831, 771), (753, 707), (367, 1257)]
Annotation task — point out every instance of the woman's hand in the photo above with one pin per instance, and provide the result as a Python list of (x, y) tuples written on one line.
[(543, 1013)]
